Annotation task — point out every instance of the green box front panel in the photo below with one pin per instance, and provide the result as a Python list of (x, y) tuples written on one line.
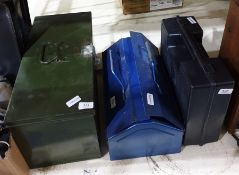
[(50, 143)]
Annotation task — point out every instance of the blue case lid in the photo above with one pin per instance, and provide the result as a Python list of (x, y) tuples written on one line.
[(138, 89)]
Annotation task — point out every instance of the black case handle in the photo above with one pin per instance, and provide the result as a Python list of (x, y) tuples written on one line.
[(195, 48)]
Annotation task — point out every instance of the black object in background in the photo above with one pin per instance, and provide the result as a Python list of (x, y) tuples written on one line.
[(4, 141), (203, 86), (237, 138), (15, 25), (5, 93), (236, 134)]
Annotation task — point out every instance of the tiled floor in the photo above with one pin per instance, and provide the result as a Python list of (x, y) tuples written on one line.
[(109, 24)]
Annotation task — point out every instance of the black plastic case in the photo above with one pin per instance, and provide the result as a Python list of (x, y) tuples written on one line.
[(203, 86)]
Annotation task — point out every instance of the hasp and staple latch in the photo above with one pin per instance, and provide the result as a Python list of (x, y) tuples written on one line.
[(58, 52), (53, 53)]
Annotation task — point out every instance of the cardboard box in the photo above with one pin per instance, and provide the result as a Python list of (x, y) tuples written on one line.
[(13, 163), (143, 6)]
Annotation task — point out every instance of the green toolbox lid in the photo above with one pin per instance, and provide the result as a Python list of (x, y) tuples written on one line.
[(57, 67)]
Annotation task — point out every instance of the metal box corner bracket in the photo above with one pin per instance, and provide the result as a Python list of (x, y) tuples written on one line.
[(143, 119), (203, 86), (57, 67)]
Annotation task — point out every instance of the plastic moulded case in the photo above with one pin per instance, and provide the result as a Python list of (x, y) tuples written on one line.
[(142, 114), (203, 86)]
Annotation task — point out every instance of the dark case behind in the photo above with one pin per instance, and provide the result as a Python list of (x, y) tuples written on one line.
[(203, 86), (15, 26)]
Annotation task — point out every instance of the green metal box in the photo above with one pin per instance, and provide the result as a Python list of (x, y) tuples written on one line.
[(58, 67)]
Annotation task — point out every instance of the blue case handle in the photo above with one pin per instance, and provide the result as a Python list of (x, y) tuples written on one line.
[(153, 65), (114, 74)]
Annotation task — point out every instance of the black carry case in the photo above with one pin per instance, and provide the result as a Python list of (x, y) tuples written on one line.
[(203, 86), (15, 27)]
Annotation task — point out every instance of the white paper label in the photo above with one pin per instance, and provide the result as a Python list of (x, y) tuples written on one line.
[(191, 20), (73, 101), (225, 91), (163, 4), (112, 102), (150, 99), (86, 105)]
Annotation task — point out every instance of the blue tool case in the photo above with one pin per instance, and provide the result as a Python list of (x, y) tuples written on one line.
[(143, 118)]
